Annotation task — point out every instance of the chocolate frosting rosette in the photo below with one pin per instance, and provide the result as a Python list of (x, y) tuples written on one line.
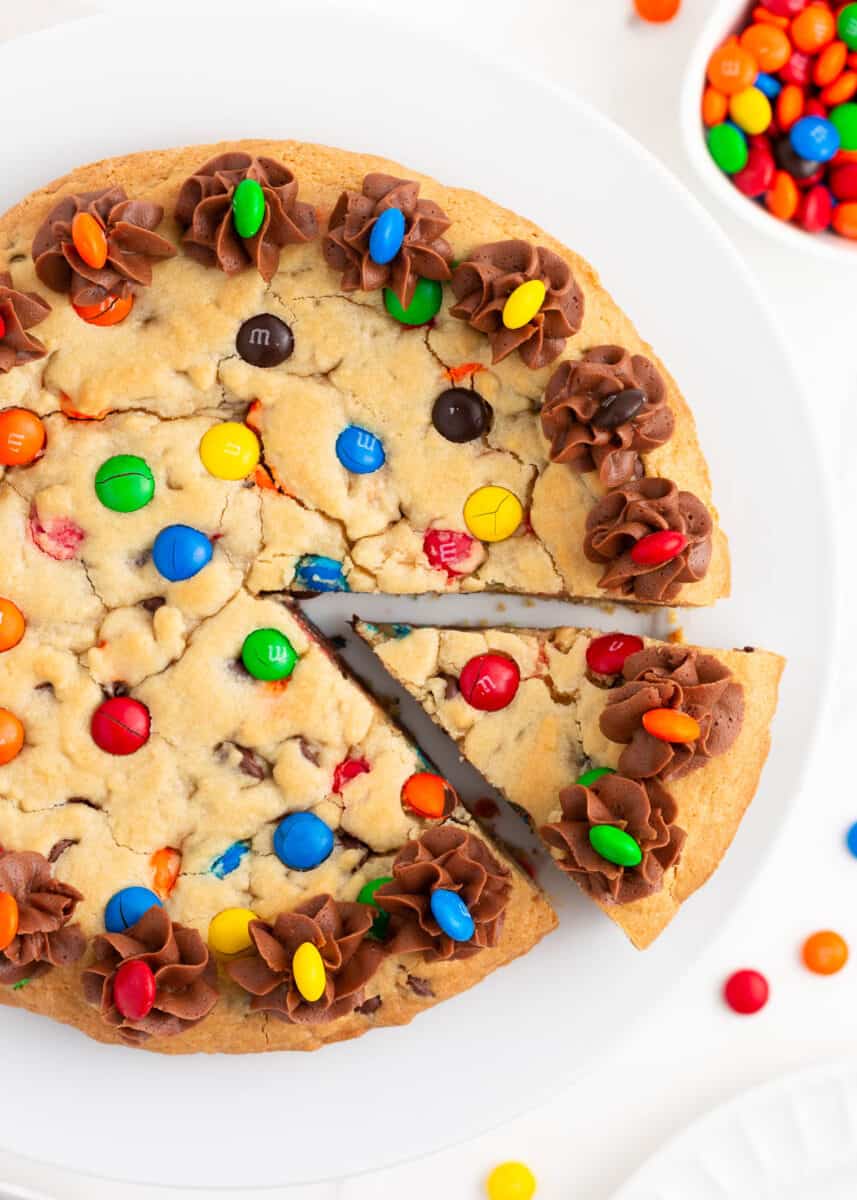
[(602, 412), (680, 678), (132, 245), (338, 929), (424, 252), (184, 972), (19, 312), (644, 811), (486, 279), (44, 938), (445, 857), (204, 210), (632, 511)]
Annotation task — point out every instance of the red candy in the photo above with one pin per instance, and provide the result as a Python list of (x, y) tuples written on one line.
[(120, 725), (606, 655), (58, 537), (134, 990), (816, 210), (348, 769), (655, 549), (448, 550), (785, 8), (758, 175), (489, 681), (746, 992), (797, 70), (843, 182)]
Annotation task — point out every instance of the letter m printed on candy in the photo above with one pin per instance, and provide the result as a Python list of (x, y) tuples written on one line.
[(260, 336)]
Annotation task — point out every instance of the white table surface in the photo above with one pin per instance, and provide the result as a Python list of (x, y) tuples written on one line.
[(691, 1053)]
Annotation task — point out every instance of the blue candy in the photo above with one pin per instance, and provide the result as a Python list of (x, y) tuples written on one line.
[(359, 451), (851, 839), (125, 908), (768, 85), (452, 915), (400, 631), (302, 841), (388, 233), (230, 859), (317, 573), (180, 552), (815, 139)]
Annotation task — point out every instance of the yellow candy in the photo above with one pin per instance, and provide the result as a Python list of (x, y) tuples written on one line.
[(523, 303), (511, 1181), (229, 451), (751, 110), (229, 931), (308, 972), (492, 513)]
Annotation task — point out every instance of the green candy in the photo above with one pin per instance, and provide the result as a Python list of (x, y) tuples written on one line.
[(124, 483), (428, 297), (844, 117), (367, 896), (248, 208), (728, 147), (846, 26), (22, 983), (589, 777), (615, 845), (268, 654)]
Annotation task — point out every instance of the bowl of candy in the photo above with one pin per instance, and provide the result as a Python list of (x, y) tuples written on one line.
[(769, 117)]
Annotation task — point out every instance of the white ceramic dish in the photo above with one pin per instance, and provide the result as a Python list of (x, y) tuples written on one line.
[(793, 1139), (726, 17), (273, 1119)]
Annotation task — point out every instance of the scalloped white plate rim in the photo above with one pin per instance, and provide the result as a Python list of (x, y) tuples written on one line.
[(468, 1022), (749, 1116)]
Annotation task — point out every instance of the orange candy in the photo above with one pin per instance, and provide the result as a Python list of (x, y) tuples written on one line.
[(813, 28), (715, 107), (670, 725), (428, 795), (166, 864), (825, 952), (845, 219), (12, 624), (22, 436), (769, 46), (732, 69), (830, 64), (110, 311), (89, 240), (657, 11), (783, 198), (841, 90), (790, 106), (8, 919), (11, 736)]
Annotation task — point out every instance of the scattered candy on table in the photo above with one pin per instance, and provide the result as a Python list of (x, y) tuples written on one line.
[(366, 895), (120, 725), (124, 483), (428, 795), (303, 841), (308, 972), (452, 915), (359, 451), (825, 952), (513, 1180), (489, 681), (746, 992), (11, 736), (22, 437), (425, 305), (181, 552), (134, 990), (493, 513), (461, 415), (777, 111), (126, 906), (268, 654), (12, 624), (229, 930), (615, 845), (606, 655), (265, 341), (8, 919), (229, 450)]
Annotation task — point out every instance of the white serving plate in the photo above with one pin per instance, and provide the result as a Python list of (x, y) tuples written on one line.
[(793, 1139), (727, 16), (169, 77)]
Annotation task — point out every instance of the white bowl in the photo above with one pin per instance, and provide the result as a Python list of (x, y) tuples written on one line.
[(726, 18)]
